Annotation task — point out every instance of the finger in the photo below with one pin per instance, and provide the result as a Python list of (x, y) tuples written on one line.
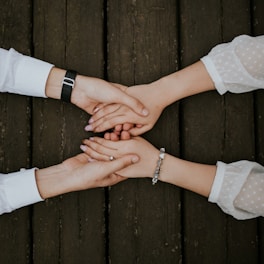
[(134, 104), (107, 136), (136, 131), (121, 163), (98, 107), (118, 128), (114, 137), (97, 151), (110, 122), (111, 136), (107, 143), (94, 155), (127, 126), (125, 135), (82, 157), (103, 110)]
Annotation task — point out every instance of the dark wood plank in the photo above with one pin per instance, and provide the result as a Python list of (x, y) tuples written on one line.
[(15, 230), (227, 19), (48, 129), (144, 222), (202, 132), (258, 29), (69, 34), (85, 53)]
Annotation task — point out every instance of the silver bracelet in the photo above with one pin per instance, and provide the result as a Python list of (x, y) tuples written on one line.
[(157, 170)]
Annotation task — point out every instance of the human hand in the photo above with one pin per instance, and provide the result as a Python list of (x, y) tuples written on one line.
[(88, 174), (121, 117), (88, 92), (101, 149), (78, 173)]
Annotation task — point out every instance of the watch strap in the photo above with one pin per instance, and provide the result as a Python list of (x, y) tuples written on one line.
[(67, 85)]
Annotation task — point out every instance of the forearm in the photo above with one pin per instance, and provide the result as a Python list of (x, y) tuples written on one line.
[(53, 181), (191, 80), (188, 175), (54, 84)]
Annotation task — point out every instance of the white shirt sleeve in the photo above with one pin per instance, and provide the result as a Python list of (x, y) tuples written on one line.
[(238, 189), (18, 189), (237, 66), (22, 74)]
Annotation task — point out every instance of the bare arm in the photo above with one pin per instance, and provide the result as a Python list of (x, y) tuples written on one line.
[(188, 175), (77, 173), (155, 96), (88, 92)]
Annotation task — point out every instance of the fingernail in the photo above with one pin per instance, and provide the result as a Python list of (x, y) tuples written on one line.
[(83, 147), (91, 160), (91, 138), (135, 159), (91, 120), (88, 128), (145, 112)]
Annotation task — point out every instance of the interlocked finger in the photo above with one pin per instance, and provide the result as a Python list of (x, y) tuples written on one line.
[(97, 151)]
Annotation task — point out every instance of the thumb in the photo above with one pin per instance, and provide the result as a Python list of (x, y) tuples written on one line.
[(120, 163), (133, 103), (136, 131)]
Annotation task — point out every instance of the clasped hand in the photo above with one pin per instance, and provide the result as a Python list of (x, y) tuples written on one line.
[(123, 120)]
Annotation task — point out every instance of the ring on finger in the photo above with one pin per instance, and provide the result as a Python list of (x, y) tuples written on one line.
[(111, 158)]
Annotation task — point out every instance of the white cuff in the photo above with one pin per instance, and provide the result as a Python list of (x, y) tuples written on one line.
[(22, 74), (227, 185), (31, 76), (218, 182), (21, 188), (210, 67)]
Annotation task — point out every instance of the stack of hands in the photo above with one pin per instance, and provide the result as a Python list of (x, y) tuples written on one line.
[(128, 113)]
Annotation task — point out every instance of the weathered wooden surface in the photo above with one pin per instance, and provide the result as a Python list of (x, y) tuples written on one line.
[(130, 42), (143, 226), (15, 131)]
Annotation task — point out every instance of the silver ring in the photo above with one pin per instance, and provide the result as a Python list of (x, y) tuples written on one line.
[(111, 158)]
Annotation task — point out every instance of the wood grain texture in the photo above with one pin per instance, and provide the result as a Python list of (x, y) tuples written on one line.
[(215, 136), (144, 222), (130, 42), (70, 35), (15, 132), (202, 135)]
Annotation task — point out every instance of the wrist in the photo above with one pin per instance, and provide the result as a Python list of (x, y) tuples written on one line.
[(188, 175), (82, 84), (54, 83), (53, 181), (191, 80)]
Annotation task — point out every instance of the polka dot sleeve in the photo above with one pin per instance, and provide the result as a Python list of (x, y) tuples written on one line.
[(237, 66), (238, 189)]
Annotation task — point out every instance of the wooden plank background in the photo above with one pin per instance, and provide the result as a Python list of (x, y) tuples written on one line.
[(131, 42)]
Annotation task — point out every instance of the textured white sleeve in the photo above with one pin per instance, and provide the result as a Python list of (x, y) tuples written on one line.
[(22, 74), (18, 189), (237, 66), (238, 189)]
